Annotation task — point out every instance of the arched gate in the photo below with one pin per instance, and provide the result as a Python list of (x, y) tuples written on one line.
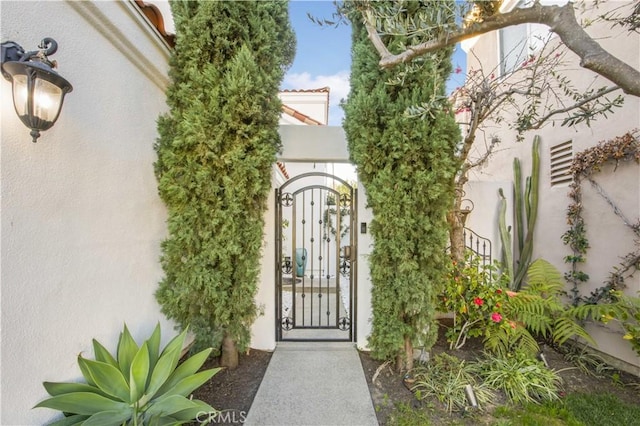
[(316, 259)]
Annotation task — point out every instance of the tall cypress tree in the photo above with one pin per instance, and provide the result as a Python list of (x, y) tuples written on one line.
[(215, 152), (407, 167)]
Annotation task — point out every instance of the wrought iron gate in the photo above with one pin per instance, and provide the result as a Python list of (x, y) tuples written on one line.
[(316, 259)]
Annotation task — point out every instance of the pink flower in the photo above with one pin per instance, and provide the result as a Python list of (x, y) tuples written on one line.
[(478, 301), (458, 70), (511, 293), (496, 317)]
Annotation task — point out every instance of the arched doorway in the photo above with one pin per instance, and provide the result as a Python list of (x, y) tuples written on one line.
[(316, 267)]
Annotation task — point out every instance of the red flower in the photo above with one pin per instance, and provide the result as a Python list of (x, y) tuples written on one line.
[(496, 317), (478, 301), (499, 291)]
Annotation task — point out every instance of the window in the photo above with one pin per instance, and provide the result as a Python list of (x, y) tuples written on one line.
[(517, 43), (561, 158), (514, 49)]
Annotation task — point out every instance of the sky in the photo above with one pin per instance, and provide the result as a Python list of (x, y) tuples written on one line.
[(323, 55)]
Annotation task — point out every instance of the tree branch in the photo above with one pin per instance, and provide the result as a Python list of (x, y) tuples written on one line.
[(539, 123), (560, 20)]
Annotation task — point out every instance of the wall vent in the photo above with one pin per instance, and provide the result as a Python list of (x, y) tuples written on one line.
[(561, 158)]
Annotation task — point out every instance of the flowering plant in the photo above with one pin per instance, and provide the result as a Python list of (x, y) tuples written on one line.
[(476, 295), (510, 322)]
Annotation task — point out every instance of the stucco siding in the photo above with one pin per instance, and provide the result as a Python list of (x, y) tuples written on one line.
[(81, 219)]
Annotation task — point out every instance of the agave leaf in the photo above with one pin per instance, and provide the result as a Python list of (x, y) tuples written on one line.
[(170, 405), (139, 373), (102, 354), (55, 388), (85, 372), (108, 378), (153, 344), (187, 385), (109, 418), (195, 412), (164, 421), (127, 349), (82, 403), (185, 369), (166, 364), (76, 419)]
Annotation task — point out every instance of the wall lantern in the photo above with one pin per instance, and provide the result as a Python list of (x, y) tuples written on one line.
[(38, 91)]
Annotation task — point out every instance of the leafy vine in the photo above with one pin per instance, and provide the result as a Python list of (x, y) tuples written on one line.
[(585, 164)]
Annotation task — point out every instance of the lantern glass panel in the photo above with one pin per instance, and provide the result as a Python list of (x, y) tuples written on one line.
[(46, 100), (20, 94)]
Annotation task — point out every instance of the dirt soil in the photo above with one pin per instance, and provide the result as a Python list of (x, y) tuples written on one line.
[(233, 391)]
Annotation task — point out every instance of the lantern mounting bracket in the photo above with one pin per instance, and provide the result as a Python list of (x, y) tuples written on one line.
[(11, 51)]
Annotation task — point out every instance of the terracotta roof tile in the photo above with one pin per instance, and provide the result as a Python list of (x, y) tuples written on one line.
[(283, 169), (155, 16), (300, 116), (319, 90)]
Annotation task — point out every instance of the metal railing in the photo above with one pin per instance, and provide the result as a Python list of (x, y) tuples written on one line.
[(479, 245)]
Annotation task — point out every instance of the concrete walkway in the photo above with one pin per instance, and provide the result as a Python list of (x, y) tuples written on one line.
[(313, 383)]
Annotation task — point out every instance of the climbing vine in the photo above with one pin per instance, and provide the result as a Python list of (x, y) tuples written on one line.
[(606, 302), (585, 164)]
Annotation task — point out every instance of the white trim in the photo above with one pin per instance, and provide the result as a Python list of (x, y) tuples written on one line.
[(91, 12)]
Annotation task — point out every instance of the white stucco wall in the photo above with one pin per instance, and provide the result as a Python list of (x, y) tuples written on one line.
[(313, 144), (81, 218), (365, 246), (608, 239)]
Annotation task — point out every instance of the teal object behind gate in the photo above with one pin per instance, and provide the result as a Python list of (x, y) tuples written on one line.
[(301, 261)]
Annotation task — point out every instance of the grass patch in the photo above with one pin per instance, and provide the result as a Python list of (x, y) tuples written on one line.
[(547, 414), (405, 415), (577, 409), (602, 410)]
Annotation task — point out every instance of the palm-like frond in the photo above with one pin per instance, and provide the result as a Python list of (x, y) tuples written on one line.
[(544, 279), (503, 342)]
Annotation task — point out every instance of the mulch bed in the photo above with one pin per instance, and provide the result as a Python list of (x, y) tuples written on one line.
[(234, 390)]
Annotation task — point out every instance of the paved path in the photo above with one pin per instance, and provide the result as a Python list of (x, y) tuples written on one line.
[(313, 383)]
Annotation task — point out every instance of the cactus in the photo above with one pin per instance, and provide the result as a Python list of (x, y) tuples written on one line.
[(505, 235), (526, 211)]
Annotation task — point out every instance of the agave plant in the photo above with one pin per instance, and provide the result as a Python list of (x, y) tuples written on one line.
[(139, 386)]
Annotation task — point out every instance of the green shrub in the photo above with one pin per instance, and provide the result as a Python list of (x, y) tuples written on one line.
[(445, 378), (407, 167), (140, 385), (522, 379), (587, 361)]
